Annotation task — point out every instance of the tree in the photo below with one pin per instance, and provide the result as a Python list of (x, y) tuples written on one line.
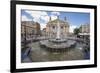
[(76, 31)]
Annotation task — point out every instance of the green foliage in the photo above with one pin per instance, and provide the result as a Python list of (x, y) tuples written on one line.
[(76, 31)]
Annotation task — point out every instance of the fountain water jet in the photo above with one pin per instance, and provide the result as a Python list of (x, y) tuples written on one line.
[(58, 31)]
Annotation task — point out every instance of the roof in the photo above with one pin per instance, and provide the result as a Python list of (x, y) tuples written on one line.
[(58, 20), (85, 25), (84, 33), (30, 23)]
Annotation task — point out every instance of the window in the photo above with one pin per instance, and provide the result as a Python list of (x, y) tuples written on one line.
[(61, 27), (53, 27)]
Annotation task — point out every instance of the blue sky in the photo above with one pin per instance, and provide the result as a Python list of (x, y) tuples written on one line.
[(75, 19)]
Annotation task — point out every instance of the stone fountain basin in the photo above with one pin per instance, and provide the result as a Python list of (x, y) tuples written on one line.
[(57, 44), (58, 40)]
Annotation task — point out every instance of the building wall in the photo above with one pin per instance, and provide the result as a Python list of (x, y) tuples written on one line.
[(29, 28), (52, 28), (85, 28)]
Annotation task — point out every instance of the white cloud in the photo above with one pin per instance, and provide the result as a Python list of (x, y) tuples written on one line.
[(53, 17), (72, 27), (37, 15), (45, 18), (43, 26), (25, 18)]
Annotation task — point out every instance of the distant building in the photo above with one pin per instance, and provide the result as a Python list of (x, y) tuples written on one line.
[(52, 28), (43, 32), (85, 32), (30, 28), (85, 28)]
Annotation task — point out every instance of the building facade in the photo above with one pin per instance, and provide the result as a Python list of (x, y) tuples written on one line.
[(29, 29), (52, 28), (85, 32), (85, 28)]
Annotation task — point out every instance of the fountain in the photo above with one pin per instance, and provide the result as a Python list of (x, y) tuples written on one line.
[(58, 39), (57, 44), (58, 31)]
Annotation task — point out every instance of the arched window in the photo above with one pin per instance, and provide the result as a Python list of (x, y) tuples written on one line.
[(61, 27), (53, 27)]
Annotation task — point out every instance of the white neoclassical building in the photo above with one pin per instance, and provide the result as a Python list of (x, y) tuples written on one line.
[(57, 28)]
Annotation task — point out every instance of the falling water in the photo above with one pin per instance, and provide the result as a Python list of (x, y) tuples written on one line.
[(58, 30)]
